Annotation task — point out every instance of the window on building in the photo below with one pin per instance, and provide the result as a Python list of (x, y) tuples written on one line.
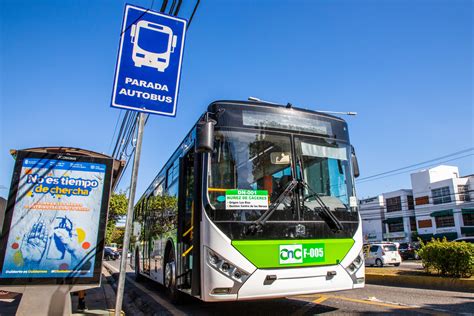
[(468, 219), (463, 191), (422, 200), (441, 195), (394, 204), (444, 221), (395, 227), (425, 223), (411, 205), (412, 223)]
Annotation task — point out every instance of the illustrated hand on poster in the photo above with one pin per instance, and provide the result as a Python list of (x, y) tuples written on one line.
[(66, 238), (35, 242)]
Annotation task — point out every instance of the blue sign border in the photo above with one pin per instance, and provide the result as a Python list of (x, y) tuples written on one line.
[(119, 56)]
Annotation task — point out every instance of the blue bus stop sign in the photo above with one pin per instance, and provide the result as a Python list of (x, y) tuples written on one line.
[(149, 62)]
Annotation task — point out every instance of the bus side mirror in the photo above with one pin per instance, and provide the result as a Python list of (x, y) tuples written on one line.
[(205, 136), (355, 164)]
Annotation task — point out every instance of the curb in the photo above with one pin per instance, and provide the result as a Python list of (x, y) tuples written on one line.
[(424, 282), (128, 305)]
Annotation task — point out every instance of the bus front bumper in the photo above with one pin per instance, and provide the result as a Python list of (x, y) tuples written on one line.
[(273, 283)]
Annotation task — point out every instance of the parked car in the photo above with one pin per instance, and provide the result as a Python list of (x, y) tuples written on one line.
[(382, 254), (408, 250), (112, 246), (110, 254), (120, 250), (466, 239)]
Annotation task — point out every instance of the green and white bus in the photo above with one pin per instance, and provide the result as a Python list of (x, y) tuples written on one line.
[(258, 201)]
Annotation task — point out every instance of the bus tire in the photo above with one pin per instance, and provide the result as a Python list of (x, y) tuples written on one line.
[(138, 276), (169, 278)]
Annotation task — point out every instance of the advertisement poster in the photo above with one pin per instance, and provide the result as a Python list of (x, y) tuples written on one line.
[(56, 218)]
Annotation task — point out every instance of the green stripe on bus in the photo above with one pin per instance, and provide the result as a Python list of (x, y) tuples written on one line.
[(294, 253)]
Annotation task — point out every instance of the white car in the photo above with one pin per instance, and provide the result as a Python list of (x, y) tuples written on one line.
[(382, 254)]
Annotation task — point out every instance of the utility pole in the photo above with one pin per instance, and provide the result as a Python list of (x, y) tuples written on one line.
[(128, 224)]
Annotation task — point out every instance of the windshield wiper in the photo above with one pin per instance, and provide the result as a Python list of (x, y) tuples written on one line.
[(324, 211), (257, 225)]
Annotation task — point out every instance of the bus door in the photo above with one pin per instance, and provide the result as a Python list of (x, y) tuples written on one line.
[(185, 222), (146, 240)]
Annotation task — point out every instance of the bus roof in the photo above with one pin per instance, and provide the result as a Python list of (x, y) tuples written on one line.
[(257, 104)]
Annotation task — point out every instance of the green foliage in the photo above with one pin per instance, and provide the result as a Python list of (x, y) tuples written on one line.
[(117, 207), (448, 258), (117, 236), (161, 213)]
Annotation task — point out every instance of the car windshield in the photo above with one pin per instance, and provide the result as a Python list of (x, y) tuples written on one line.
[(390, 248)]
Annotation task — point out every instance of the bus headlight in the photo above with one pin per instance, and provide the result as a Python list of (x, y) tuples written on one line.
[(356, 264), (225, 267)]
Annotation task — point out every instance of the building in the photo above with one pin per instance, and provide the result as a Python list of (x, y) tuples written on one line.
[(389, 216), (372, 212), (440, 204), (444, 204), (399, 219)]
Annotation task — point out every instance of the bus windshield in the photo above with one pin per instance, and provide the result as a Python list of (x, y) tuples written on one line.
[(250, 171), (248, 161), (326, 171)]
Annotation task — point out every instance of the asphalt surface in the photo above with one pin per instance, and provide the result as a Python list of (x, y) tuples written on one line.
[(373, 299)]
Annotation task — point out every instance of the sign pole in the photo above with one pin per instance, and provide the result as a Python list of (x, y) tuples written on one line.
[(128, 225)]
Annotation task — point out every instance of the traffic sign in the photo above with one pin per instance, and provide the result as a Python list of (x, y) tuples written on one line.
[(149, 62)]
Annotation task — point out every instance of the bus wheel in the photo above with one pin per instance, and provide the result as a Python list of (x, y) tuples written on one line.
[(170, 278), (378, 263)]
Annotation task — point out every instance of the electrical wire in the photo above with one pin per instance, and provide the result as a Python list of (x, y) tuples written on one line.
[(417, 164), (115, 130)]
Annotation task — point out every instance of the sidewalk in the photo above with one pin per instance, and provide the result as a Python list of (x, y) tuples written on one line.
[(100, 300)]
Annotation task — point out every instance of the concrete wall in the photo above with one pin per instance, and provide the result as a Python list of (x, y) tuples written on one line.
[(372, 213)]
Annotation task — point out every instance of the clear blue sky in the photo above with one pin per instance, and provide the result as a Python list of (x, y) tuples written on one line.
[(405, 66)]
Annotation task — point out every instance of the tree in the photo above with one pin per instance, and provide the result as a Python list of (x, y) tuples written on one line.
[(117, 236), (117, 207)]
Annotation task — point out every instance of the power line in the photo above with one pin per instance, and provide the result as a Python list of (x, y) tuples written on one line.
[(418, 164), (363, 180), (115, 130)]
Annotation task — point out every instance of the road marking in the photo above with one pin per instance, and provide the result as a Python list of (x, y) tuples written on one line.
[(374, 301), (7, 300), (320, 299), (371, 301), (309, 305)]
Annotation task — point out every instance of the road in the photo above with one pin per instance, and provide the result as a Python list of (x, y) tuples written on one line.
[(373, 299)]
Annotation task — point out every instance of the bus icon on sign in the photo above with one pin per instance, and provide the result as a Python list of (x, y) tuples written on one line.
[(152, 45)]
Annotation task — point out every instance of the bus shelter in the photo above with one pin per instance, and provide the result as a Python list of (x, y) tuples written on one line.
[(52, 239)]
